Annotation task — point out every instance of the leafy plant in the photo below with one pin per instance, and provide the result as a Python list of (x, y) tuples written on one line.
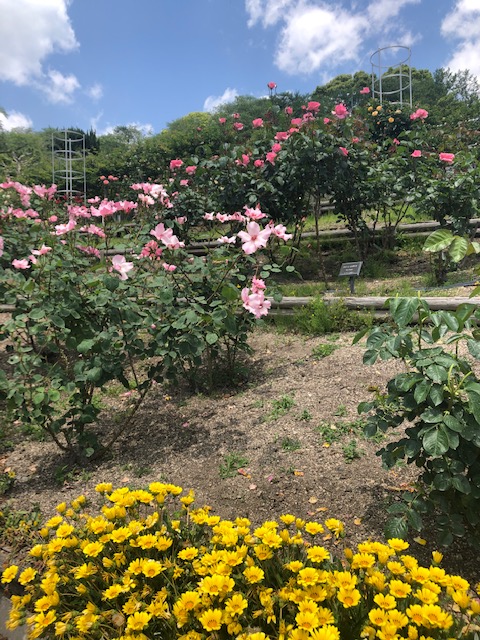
[(281, 406), (291, 444), (351, 451), (323, 350), (439, 398), (231, 464)]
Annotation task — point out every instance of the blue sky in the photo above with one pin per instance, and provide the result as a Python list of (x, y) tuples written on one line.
[(102, 63)]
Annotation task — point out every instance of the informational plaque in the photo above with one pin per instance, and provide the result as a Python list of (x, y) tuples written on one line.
[(351, 269)]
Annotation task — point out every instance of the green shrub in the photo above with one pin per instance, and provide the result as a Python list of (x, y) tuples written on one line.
[(319, 317)]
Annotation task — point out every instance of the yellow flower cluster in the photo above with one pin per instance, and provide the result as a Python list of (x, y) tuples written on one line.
[(131, 570)]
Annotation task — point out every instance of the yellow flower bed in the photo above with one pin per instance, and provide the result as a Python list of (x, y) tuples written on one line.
[(148, 565)]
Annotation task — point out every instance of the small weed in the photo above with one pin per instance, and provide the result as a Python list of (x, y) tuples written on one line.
[(305, 415), (258, 404), (7, 479), (231, 464), (331, 432), (71, 474), (323, 350), (281, 407), (341, 411), (291, 444), (351, 451)]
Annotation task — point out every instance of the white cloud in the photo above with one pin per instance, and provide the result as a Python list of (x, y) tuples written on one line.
[(15, 120), (95, 91), (31, 30), (319, 34), (315, 36), (212, 102), (268, 12), (463, 24), (58, 87)]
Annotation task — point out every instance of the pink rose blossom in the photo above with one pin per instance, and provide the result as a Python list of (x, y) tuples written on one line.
[(259, 163), (271, 155), (236, 116), (288, 111), (343, 151), (276, 147), (257, 123), (52, 219), (280, 231), (447, 157), (209, 216), (184, 183), (254, 238), (272, 85), (181, 219), (281, 136), (190, 170), (396, 141), (21, 264), (151, 250), (175, 164), (313, 106), (42, 251), (326, 120), (255, 302), (90, 251), (365, 91), (258, 285), (169, 267), (238, 126), (122, 266), (416, 154), (419, 114), (254, 214), (340, 111), (296, 122), (60, 229), (227, 240), (222, 120)]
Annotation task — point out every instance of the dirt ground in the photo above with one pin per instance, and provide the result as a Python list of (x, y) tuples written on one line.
[(293, 427)]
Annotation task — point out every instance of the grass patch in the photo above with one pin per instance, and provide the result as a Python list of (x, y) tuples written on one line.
[(281, 407), (291, 444), (324, 350)]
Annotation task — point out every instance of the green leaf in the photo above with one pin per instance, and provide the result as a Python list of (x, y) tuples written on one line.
[(458, 249), (460, 483), (229, 293), (414, 519), (58, 321), (85, 345), (396, 528), (211, 338), (437, 373), (438, 241), (452, 423), (421, 391), (442, 481), (403, 310), (474, 403), (436, 442)]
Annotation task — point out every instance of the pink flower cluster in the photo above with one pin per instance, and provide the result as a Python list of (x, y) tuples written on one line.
[(120, 264), (165, 235), (254, 299), (419, 114)]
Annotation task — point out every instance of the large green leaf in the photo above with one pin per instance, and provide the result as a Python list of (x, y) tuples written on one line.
[(435, 441), (438, 241), (403, 310), (396, 528), (458, 249)]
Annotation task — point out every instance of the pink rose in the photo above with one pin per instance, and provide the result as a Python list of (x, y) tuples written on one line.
[(343, 151), (313, 106), (447, 157), (340, 111), (416, 154), (365, 91), (272, 85), (257, 123), (238, 126), (175, 164), (419, 114)]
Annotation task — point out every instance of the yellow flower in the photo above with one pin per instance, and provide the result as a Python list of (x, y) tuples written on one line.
[(9, 574), (306, 620), (385, 602), (391, 119), (426, 596), (435, 617), (335, 526), (27, 576), (211, 619), (43, 620), (138, 620), (378, 617), (313, 528), (375, 113), (92, 549), (308, 576), (437, 557), (397, 618), (236, 605), (399, 589), (188, 554), (64, 530), (120, 535), (104, 487), (317, 554), (287, 519), (348, 597), (363, 561), (294, 565), (61, 508), (327, 632), (461, 598), (253, 574), (152, 568), (112, 592), (415, 613), (398, 544)]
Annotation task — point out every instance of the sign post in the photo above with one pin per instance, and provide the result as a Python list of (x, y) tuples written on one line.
[(351, 269)]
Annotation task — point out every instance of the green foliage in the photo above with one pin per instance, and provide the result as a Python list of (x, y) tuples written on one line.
[(439, 398), (320, 317), (337, 431), (351, 451), (291, 444), (323, 350), (231, 464), (281, 407)]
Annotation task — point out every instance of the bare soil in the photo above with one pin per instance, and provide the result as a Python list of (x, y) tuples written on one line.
[(274, 422)]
